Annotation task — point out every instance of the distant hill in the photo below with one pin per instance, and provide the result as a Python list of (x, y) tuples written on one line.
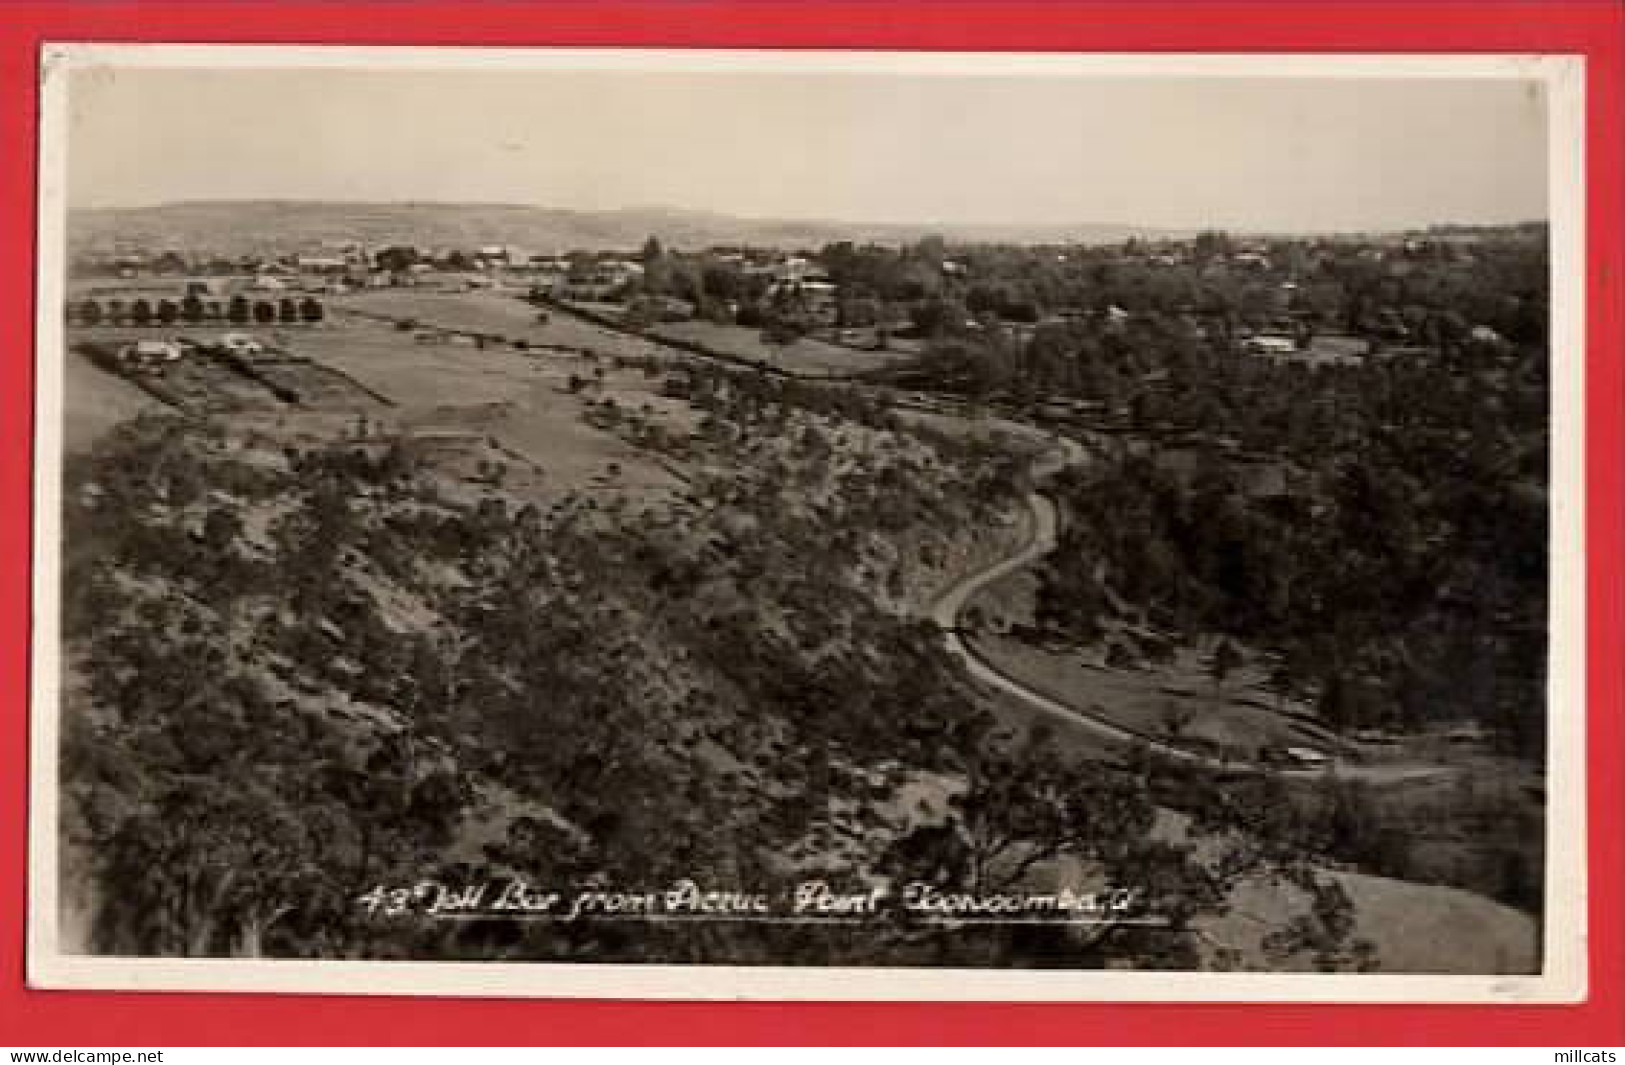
[(239, 227)]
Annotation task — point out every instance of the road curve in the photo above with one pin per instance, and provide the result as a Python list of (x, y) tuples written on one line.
[(946, 610), (1041, 540)]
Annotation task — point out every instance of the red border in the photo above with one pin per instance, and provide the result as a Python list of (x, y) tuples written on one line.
[(1595, 29)]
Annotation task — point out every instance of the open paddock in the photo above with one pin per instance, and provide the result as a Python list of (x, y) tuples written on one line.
[(1176, 700), (807, 355), (518, 399), (313, 385), (95, 400), (495, 314)]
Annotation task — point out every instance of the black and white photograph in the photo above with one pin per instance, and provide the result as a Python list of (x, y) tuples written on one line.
[(809, 525)]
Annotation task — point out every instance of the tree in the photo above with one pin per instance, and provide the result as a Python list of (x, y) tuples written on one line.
[(1026, 805), (310, 309), (238, 311), (783, 329), (938, 316), (192, 309), (169, 262), (207, 872), (221, 528), (1225, 659), (657, 268), (396, 258), (1326, 933), (287, 311), (1212, 244), (930, 250), (1175, 718), (141, 312), (264, 312)]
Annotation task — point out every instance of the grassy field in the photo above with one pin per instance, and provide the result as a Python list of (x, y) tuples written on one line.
[(94, 401), (806, 355), (1178, 699), (1412, 928), (472, 406), (495, 314), (520, 400)]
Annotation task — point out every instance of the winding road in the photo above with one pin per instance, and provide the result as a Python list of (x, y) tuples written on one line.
[(1042, 539), (1061, 453)]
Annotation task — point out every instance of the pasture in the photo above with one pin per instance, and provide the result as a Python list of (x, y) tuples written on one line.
[(518, 400), (94, 401), (473, 407), (1178, 700), (494, 314), (804, 356)]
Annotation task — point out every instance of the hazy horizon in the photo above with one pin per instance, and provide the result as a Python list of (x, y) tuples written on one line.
[(677, 209), (1253, 154)]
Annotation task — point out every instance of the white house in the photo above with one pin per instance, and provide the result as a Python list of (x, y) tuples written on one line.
[(321, 264), (1308, 757), (1265, 344)]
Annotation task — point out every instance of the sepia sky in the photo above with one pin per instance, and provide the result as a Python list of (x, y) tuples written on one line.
[(1243, 153)]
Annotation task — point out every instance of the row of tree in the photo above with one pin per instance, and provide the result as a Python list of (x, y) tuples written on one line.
[(192, 310)]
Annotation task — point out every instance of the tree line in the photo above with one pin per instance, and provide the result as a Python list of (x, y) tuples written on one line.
[(193, 310)]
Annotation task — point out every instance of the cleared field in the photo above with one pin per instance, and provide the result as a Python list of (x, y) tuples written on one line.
[(1413, 928), (519, 400), (806, 355), (473, 407), (313, 385), (494, 314), (1178, 699), (94, 400)]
